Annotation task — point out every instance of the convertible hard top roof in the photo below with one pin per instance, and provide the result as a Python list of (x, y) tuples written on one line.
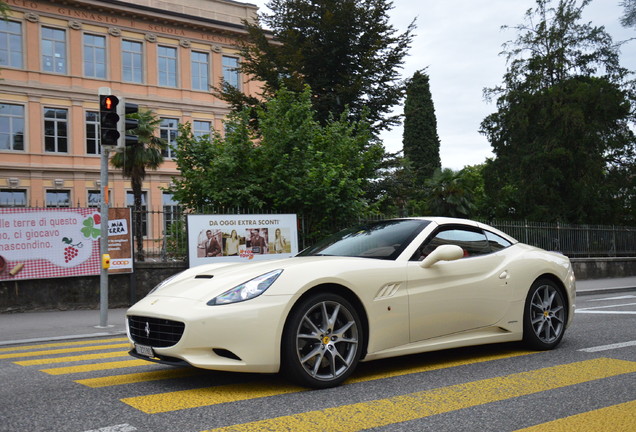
[(440, 220)]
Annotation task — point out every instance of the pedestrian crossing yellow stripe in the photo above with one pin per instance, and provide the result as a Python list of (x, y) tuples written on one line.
[(61, 344), (62, 351), (71, 358), (384, 412), (133, 378), (184, 399), (94, 367), (165, 402), (617, 418)]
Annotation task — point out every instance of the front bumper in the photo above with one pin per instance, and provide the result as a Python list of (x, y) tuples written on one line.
[(242, 337)]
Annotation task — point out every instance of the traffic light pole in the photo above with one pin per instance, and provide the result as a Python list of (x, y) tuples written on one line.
[(113, 127), (103, 242)]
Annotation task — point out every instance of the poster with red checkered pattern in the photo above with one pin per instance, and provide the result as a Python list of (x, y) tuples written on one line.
[(49, 243)]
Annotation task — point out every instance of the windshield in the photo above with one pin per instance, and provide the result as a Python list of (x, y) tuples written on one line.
[(381, 240)]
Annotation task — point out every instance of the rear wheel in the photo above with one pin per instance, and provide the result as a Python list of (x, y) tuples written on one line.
[(545, 315), (322, 341)]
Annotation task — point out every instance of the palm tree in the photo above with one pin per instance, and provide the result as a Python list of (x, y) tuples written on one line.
[(135, 159), (449, 195)]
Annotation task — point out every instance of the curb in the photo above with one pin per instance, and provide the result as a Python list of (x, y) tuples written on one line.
[(61, 338), (614, 290)]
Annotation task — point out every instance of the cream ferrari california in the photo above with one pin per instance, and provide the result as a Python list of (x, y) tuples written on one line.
[(379, 290)]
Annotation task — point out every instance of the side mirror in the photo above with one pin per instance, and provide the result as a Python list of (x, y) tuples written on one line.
[(443, 253)]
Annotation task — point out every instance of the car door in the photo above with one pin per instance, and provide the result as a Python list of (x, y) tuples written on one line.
[(455, 296)]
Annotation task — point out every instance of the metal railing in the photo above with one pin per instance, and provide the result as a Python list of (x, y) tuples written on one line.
[(574, 240), (166, 237)]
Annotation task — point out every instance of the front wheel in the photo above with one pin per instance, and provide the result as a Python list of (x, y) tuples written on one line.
[(545, 315), (322, 342)]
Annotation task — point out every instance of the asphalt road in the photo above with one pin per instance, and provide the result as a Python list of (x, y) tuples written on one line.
[(587, 383)]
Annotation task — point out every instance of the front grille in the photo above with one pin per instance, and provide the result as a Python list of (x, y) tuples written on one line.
[(155, 332)]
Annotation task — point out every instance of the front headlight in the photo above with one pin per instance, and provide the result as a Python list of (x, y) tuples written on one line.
[(247, 290)]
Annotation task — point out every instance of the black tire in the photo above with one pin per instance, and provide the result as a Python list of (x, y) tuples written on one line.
[(545, 315), (322, 342)]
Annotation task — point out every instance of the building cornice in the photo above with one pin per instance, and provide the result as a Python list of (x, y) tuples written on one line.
[(131, 12)]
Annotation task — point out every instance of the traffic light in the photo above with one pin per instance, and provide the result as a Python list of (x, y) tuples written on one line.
[(108, 120), (128, 124)]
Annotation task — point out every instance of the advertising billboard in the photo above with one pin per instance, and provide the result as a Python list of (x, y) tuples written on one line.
[(223, 238), (120, 247), (59, 242)]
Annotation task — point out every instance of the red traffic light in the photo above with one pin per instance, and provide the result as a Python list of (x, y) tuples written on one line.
[(108, 103)]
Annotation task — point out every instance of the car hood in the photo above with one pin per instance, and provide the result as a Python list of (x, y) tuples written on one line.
[(203, 283)]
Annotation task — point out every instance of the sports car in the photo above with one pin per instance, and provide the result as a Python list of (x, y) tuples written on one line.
[(379, 290)]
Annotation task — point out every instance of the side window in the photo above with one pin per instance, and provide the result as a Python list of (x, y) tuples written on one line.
[(496, 242), (474, 243)]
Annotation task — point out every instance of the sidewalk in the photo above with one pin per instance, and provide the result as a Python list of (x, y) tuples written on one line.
[(34, 327), (599, 286), (28, 327)]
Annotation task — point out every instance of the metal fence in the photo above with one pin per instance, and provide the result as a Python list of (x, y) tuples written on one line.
[(574, 240), (166, 237)]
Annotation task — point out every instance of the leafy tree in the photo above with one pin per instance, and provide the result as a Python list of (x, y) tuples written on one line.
[(629, 17), (562, 126), (219, 171), (420, 139), (392, 191), (135, 160), (472, 179), (345, 50), (297, 165), (4, 9)]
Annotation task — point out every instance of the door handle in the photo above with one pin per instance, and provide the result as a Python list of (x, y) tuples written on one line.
[(504, 275)]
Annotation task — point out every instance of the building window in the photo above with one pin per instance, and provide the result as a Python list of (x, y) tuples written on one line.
[(10, 44), (55, 130), (92, 133), (94, 198), (13, 198), (132, 61), (230, 71), (168, 129), (53, 50), (130, 202), (11, 127), (171, 211), (94, 56), (201, 128), (200, 71), (58, 198), (167, 58)]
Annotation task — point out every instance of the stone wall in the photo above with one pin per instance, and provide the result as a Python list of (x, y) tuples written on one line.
[(124, 290), (602, 268), (83, 292)]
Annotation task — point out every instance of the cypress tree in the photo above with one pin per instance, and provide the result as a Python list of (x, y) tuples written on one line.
[(420, 140)]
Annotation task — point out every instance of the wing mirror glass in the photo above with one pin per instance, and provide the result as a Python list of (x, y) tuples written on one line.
[(443, 253)]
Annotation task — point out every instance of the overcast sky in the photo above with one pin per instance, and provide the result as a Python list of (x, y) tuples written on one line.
[(459, 42)]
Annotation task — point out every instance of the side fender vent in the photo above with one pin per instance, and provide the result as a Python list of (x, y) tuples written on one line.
[(388, 290)]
